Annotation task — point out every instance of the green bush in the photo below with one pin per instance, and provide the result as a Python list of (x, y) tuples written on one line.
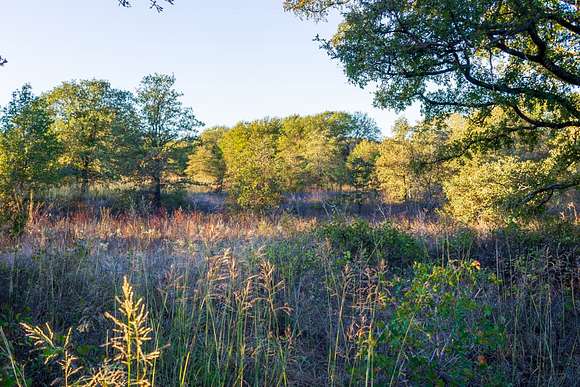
[(291, 257), (373, 243), (493, 191), (253, 170), (442, 331)]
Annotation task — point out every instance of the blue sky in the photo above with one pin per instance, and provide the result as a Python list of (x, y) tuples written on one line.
[(233, 59)]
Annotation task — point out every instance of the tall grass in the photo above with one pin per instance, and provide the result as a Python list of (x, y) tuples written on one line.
[(249, 300)]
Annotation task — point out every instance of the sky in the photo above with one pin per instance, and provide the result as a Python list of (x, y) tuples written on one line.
[(234, 60)]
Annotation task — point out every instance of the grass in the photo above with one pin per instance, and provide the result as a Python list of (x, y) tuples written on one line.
[(190, 298)]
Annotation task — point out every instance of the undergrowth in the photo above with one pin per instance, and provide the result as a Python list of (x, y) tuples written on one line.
[(186, 299)]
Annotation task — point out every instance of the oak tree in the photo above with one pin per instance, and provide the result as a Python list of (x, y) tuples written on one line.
[(96, 124), (28, 153), (470, 57), (165, 123)]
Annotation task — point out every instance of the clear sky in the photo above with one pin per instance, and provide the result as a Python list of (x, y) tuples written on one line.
[(233, 59)]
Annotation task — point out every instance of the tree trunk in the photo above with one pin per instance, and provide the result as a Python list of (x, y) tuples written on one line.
[(31, 205), (157, 192), (85, 180)]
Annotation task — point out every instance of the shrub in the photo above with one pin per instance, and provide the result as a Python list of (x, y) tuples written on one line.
[(374, 243), (253, 171), (492, 191), (442, 330)]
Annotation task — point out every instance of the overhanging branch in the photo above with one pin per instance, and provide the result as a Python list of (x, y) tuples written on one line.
[(549, 191)]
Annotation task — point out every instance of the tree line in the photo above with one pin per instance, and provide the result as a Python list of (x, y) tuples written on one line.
[(87, 132), (258, 162), (497, 80)]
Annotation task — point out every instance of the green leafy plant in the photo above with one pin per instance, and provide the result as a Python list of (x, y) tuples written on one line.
[(442, 331), (374, 243)]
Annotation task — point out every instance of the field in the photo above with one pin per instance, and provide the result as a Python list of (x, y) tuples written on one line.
[(316, 294), (405, 215)]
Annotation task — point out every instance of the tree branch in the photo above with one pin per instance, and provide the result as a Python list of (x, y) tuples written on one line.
[(542, 60), (465, 69), (153, 4), (480, 138), (545, 124), (481, 105), (549, 190), (570, 26)]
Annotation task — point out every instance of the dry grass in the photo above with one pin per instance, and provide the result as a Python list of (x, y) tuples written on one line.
[(250, 300)]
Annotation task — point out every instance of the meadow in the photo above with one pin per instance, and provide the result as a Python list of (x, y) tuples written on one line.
[(323, 295), (144, 241)]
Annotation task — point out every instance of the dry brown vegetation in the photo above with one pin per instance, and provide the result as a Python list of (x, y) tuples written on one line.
[(236, 299)]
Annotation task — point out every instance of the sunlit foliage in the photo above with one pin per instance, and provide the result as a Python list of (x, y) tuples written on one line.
[(253, 169), (206, 164), (473, 58), (164, 123), (361, 164), (96, 124), (309, 152), (28, 153)]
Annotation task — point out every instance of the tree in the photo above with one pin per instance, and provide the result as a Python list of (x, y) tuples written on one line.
[(394, 170), (348, 129), (472, 57), (165, 124), (401, 129), (486, 189), (253, 168), (399, 167), (506, 183), (206, 164), (309, 151), (362, 168), (28, 152), (96, 124)]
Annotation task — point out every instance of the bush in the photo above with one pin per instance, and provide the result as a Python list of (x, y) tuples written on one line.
[(492, 191), (253, 176), (442, 331), (373, 243)]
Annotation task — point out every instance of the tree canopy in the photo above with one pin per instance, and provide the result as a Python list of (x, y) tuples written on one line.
[(95, 121), (164, 123), (28, 151), (520, 57), (254, 171)]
